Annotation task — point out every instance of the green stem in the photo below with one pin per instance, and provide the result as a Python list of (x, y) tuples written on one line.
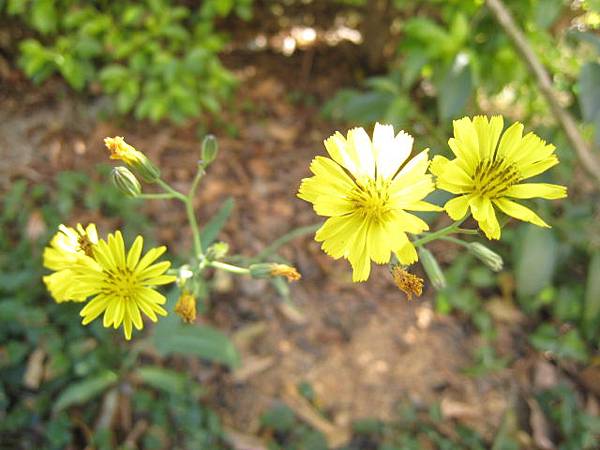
[(229, 267), (191, 216), (189, 210), (176, 194), (454, 240), (466, 231), (439, 234), (155, 196), (274, 246), (195, 183)]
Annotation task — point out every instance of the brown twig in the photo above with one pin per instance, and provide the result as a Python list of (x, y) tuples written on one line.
[(506, 21)]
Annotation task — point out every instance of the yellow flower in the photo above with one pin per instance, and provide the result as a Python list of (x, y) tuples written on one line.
[(486, 173), (67, 247), (365, 189), (122, 284), (119, 149)]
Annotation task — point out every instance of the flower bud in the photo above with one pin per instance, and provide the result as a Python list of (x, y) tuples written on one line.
[(126, 182), (210, 148), (269, 270), (136, 160), (432, 268), (186, 307), (490, 258)]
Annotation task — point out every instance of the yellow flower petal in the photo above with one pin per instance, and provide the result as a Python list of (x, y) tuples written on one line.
[(488, 133), (457, 207), (390, 151), (542, 190), (511, 141), (520, 212)]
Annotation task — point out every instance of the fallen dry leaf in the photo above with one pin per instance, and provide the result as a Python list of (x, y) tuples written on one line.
[(35, 369)]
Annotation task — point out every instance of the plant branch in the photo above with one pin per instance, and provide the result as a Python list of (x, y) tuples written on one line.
[(191, 215), (273, 247), (229, 267), (155, 196), (503, 17), (452, 228)]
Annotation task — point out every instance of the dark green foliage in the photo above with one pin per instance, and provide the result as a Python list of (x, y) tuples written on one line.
[(82, 367), (156, 58)]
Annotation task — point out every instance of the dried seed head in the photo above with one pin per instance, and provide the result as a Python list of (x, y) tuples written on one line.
[(407, 282)]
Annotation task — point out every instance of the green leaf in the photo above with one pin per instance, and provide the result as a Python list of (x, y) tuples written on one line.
[(537, 260), (196, 340), (591, 309), (546, 338), (85, 390), (73, 72), (212, 229), (163, 379), (113, 76), (128, 94), (279, 418), (171, 336), (44, 16), (547, 12), (455, 88), (589, 95)]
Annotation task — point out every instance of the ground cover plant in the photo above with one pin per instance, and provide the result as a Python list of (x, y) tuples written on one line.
[(426, 276)]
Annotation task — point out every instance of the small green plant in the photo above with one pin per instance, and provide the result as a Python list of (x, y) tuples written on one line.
[(156, 59)]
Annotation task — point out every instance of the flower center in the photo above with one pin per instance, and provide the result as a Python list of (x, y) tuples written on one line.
[(121, 283), (371, 199), (493, 177)]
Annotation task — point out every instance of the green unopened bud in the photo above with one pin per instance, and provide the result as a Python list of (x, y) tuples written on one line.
[(126, 182), (210, 148), (490, 258), (270, 270), (432, 268), (136, 160)]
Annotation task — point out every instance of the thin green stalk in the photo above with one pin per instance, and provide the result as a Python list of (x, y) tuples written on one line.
[(229, 268), (191, 216), (155, 196), (466, 231), (439, 234), (195, 183), (189, 210), (455, 240), (274, 246)]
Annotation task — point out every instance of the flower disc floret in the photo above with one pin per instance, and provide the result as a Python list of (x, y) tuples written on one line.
[(489, 169), (365, 189)]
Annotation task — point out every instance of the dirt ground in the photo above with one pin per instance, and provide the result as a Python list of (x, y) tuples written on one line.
[(363, 347)]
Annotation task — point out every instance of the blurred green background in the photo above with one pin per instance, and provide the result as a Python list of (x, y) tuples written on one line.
[(416, 65)]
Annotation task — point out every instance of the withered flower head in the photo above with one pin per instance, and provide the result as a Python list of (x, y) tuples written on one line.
[(407, 282)]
